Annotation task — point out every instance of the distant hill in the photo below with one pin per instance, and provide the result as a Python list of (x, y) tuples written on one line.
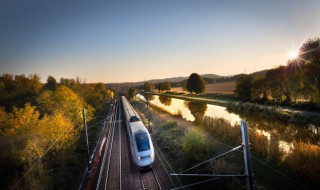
[(177, 81), (180, 79), (260, 73)]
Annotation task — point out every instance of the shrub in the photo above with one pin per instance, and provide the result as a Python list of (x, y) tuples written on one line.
[(196, 147)]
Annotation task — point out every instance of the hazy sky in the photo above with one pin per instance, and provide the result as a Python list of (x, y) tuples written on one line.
[(118, 41)]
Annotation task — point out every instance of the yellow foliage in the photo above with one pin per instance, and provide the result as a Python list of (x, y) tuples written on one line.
[(65, 101), (22, 120), (305, 160), (58, 128)]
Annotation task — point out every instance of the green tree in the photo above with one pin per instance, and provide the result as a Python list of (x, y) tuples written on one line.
[(132, 92), (195, 84), (163, 86), (277, 82), (259, 92), (148, 87), (243, 87)]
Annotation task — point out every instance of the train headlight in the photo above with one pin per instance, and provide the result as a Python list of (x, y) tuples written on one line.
[(152, 155), (139, 158)]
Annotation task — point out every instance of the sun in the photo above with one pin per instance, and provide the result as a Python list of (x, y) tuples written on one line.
[(293, 55)]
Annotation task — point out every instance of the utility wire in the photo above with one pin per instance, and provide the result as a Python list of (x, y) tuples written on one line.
[(39, 159)]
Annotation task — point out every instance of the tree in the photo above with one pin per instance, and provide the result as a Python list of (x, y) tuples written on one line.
[(162, 86), (195, 84), (277, 82), (51, 83), (132, 92), (147, 86), (259, 90), (63, 100), (243, 87), (310, 53)]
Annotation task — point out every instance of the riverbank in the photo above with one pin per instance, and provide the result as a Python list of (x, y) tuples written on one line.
[(282, 113), (169, 138)]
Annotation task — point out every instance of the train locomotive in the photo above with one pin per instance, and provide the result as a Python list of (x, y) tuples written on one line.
[(141, 146)]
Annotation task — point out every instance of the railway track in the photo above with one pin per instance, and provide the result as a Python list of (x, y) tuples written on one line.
[(150, 180), (117, 170), (110, 161)]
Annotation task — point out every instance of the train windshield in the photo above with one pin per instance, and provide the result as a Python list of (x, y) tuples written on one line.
[(134, 119), (142, 142)]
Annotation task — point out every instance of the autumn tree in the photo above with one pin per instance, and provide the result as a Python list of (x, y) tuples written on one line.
[(195, 84), (63, 100)]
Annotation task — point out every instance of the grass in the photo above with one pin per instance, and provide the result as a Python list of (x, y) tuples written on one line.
[(271, 170), (215, 88)]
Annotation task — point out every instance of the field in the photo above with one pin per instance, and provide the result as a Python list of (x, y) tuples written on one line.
[(222, 88)]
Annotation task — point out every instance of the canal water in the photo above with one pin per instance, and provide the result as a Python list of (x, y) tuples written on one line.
[(285, 132)]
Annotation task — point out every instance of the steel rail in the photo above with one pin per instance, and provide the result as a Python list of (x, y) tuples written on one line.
[(105, 150), (157, 179), (111, 147), (157, 147), (120, 182)]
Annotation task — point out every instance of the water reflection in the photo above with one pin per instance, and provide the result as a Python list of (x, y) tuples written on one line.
[(165, 100), (280, 135), (193, 111), (197, 110)]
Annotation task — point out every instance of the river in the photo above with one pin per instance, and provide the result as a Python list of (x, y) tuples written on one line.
[(286, 133)]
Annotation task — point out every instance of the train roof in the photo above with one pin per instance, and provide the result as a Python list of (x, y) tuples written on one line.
[(138, 127), (129, 108)]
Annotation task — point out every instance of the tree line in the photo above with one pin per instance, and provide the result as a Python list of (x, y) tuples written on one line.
[(297, 83), (36, 116), (194, 84)]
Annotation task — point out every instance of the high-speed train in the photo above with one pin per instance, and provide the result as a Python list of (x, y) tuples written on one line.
[(141, 146)]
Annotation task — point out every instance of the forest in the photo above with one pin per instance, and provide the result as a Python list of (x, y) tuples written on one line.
[(41, 129)]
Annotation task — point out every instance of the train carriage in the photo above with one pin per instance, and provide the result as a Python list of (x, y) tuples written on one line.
[(141, 146)]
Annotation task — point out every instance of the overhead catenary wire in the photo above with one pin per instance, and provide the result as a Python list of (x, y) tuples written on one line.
[(227, 152), (167, 163)]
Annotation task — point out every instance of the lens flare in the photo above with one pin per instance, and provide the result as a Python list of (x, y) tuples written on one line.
[(293, 55)]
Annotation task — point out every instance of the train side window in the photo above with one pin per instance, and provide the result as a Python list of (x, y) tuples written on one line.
[(142, 141), (134, 119)]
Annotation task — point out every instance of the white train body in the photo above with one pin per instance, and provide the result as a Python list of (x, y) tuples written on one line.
[(141, 146)]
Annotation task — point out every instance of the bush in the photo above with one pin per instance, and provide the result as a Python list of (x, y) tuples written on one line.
[(196, 147)]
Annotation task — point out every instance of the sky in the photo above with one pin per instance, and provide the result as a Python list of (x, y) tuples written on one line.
[(129, 41)]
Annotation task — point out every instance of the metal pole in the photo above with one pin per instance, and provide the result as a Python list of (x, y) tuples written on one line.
[(149, 127), (246, 154), (86, 133)]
